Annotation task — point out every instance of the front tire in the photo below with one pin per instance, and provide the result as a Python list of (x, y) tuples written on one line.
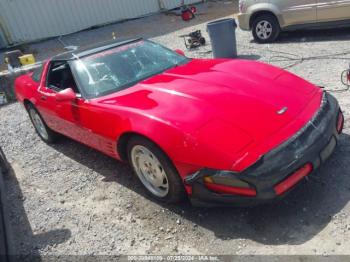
[(265, 28), (155, 170), (44, 132)]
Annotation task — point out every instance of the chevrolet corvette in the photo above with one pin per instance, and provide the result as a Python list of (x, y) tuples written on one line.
[(220, 131)]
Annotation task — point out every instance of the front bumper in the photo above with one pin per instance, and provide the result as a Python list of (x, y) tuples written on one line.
[(243, 21), (313, 144)]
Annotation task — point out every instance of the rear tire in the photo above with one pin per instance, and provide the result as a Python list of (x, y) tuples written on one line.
[(44, 132), (155, 170), (265, 28)]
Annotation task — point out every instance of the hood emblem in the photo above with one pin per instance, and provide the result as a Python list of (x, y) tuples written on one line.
[(282, 111)]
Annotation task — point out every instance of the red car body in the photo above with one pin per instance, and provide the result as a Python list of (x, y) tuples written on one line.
[(214, 114)]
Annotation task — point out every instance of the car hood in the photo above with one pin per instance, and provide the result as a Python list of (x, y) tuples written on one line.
[(231, 103)]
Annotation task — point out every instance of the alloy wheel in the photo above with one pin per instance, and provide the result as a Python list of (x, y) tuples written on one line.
[(38, 123), (150, 171), (263, 29)]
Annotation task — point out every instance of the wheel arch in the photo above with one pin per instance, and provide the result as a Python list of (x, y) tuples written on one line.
[(123, 140), (260, 13), (161, 133), (27, 102)]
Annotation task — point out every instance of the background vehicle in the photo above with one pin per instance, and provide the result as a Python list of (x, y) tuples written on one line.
[(220, 130), (268, 18)]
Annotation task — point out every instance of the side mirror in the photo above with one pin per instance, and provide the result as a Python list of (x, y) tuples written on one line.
[(180, 52), (66, 95)]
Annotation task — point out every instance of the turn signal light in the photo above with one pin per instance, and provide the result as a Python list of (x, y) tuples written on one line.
[(288, 183), (340, 122), (208, 179), (211, 183), (231, 190)]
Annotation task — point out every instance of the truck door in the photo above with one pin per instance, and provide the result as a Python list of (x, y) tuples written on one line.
[(297, 11), (333, 10)]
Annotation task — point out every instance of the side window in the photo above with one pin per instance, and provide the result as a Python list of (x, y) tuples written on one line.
[(60, 77), (37, 73)]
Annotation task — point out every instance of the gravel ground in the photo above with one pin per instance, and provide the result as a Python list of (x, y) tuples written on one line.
[(69, 199)]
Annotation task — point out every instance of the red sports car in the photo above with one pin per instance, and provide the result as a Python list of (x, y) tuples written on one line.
[(218, 130)]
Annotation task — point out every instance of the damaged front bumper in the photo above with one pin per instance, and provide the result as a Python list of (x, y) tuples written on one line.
[(282, 167)]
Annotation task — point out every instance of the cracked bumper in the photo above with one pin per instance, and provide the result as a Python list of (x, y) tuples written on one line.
[(313, 144)]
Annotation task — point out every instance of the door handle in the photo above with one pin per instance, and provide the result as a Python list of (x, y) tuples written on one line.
[(43, 98)]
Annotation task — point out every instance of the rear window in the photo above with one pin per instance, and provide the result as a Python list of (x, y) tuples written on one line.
[(37, 73)]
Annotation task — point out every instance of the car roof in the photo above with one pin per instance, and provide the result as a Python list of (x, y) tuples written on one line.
[(92, 49)]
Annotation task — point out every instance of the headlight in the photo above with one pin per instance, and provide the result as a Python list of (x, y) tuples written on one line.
[(340, 122)]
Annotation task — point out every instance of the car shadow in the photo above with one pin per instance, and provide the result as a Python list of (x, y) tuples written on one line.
[(294, 220), (249, 57), (319, 35), (19, 234)]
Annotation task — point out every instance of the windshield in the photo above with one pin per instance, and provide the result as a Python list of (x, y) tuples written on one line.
[(115, 69)]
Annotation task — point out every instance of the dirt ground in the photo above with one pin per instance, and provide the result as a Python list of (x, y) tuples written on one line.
[(69, 199)]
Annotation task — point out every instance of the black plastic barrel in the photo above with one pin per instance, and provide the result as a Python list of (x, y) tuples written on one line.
[(222, 35)]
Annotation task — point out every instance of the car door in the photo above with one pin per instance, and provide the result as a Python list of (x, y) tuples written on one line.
[(97, 126), (333, 10), (43, 98), (74, 116), (62, 116), (46, 102), (75, 119), (297, 11)]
